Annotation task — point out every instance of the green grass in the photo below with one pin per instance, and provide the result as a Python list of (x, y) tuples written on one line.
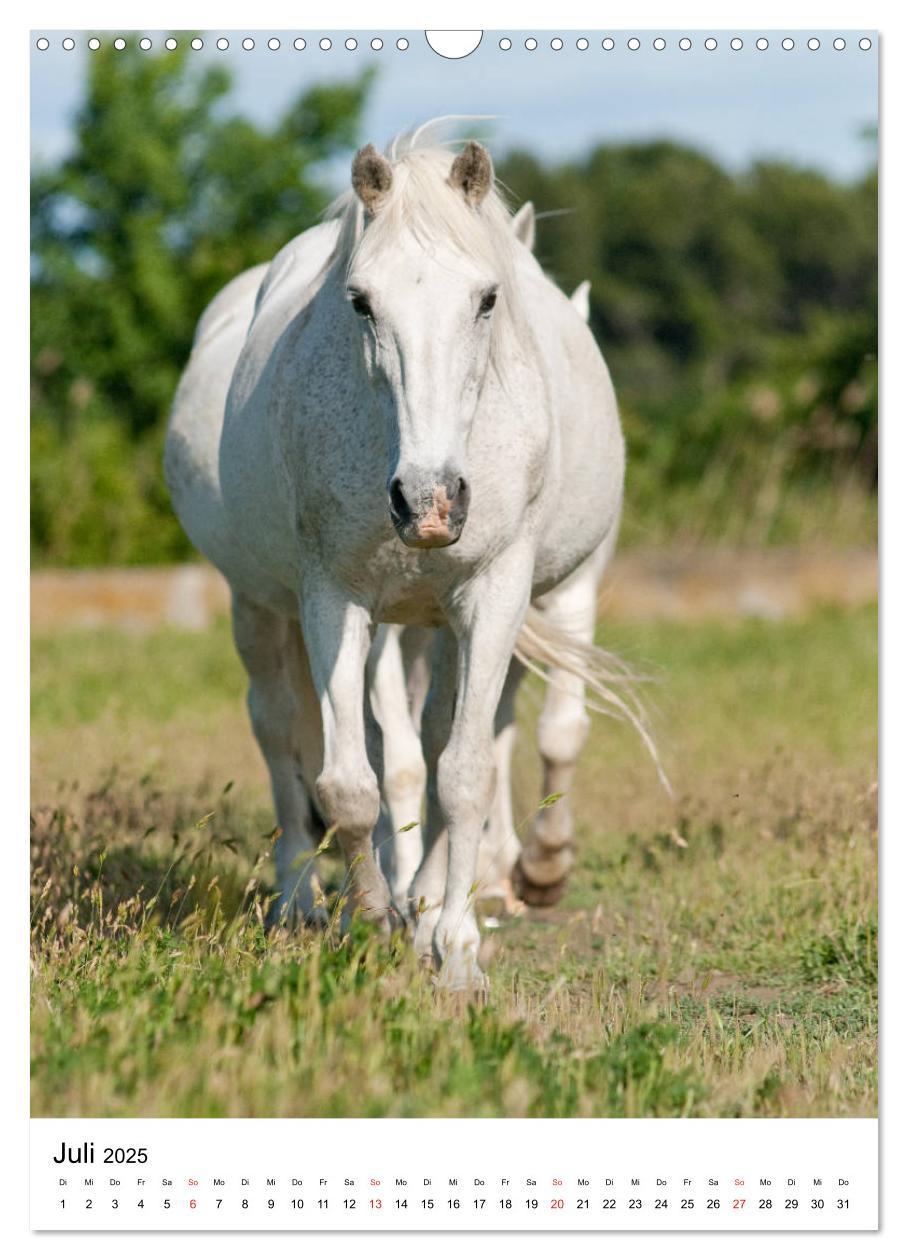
[(714, 955), (730, 506)]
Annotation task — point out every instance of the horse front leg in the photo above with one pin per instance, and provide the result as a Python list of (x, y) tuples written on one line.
[(337, 633), (428, 888), (277, 700), (486, 625), (499, 847), (399, 837)]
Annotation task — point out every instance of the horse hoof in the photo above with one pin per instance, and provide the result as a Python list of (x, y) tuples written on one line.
[(293, 918), (514, 906), (385, 921), (398, 923), (462, 975), (538, 895), (501, 902), (298, 904)]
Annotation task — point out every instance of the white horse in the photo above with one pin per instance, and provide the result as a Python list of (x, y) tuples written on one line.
[(561, 734), (419, 430)]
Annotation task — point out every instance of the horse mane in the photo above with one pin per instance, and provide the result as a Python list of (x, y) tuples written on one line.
[(422, 203)]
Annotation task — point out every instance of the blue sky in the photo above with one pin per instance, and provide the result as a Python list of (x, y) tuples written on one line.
[(805, 106)]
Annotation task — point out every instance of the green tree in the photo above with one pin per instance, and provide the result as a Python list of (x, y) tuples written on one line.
[(737, 311), (165, 197), (694, 271), (162, 201), (738, 316)]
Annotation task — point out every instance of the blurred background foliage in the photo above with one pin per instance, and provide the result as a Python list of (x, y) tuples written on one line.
[(737, 312)]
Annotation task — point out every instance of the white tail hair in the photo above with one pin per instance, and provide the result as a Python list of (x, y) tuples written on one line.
[(612, 682)]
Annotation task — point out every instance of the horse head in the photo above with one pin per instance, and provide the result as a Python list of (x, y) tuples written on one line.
[(424, 283)]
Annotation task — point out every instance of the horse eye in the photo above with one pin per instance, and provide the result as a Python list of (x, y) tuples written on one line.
[(360, 304), (488, 302)]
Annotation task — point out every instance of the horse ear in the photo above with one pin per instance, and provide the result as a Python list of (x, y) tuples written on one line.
[(523, 224), (471, 173), (580, 300), (372, 177)]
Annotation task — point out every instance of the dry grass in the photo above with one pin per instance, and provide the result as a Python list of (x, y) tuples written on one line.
[(715, 955)]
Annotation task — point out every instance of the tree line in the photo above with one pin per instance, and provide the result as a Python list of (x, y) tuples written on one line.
[(737, 311)]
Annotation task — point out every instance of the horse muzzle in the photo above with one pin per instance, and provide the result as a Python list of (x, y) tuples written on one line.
[(428, 511)]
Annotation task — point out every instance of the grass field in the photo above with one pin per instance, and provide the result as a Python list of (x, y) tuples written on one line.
[(714, 956)]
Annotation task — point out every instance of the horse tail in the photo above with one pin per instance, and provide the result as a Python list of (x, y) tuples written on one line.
[(611, 684)]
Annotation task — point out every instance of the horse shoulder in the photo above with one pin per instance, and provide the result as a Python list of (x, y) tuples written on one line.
[(197, 413), (299, 261), (233, 304), (262, 465)]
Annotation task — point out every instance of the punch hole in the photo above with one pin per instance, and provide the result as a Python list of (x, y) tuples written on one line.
[(223, 44), (170, 44), (94, 43), (583, 43), (813, 44), (530, 44), (504, 43), (762, 44), (350, 44), (145, 44), (69, 44), (42, 44), (377, 44), (710, 44), (197, 44), (557, 44), (788, 44), (608, 43), (737, 44), (299, 43), (324, 44), (120, 44), (865, 44), (403, 44), (659, 44), (453, 45), (838, 44), (274, 43), (685, 44), (248, 44)]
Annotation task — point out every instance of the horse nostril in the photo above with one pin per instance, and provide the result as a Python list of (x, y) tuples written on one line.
[(399, 505), (462, 493)]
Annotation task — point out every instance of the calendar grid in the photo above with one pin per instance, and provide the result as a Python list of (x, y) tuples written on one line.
[(468, 1174)]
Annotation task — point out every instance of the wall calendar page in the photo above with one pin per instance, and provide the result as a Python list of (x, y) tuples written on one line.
[(587, 1175), (454, 629)]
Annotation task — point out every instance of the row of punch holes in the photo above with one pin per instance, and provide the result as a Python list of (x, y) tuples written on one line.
[(556, 43)]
